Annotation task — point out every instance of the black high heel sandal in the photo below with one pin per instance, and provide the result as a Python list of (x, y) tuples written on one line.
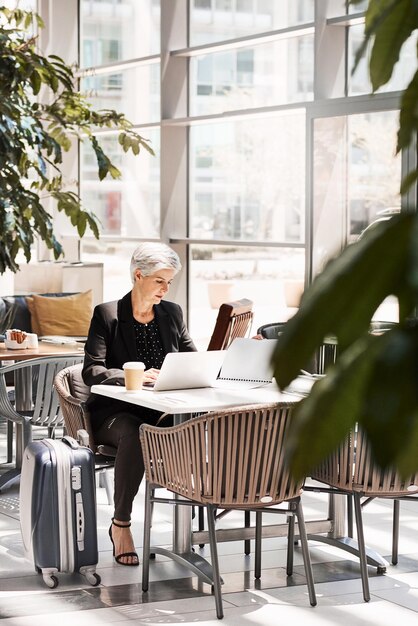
[(124, 554)]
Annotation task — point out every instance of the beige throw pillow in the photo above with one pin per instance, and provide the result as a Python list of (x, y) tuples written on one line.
[(64, 315)]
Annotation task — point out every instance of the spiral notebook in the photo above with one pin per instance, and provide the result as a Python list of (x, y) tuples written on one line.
[(247, 364)]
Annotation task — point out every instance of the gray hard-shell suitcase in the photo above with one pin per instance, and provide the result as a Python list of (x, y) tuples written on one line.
[(58, 509)]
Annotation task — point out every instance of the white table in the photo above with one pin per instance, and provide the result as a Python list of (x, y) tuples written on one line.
[(182, 403)]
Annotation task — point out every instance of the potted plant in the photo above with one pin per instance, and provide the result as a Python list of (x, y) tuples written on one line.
[(41, 114), (374, 380)]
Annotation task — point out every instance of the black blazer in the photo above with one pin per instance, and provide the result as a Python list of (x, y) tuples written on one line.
[(111, 342)]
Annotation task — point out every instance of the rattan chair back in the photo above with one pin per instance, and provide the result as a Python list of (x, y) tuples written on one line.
[(234, 320), (351, 468), (234, 458), (45, 410)]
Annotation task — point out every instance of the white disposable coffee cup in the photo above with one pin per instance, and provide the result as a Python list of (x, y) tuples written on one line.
[(32, 340), (134, 375)]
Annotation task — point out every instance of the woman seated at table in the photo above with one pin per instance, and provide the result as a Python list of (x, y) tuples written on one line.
[(139, 327)]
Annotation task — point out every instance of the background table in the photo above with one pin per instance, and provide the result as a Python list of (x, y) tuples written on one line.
[(23, 381), (44, 349)]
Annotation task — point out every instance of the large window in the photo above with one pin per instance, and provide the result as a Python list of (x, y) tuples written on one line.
[(356, 182), (269, 74), (217, 20), (271, 277), (270, 155), (247, 179), (128, 208), (110, 30), (356, 178)]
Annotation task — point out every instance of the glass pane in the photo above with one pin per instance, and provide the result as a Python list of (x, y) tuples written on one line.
[(116, 257), (109, 30), (359, 82), (272, 278), (357, 8), (247, 179), (264, 75), (216, 20), (356, 181), (119, 91), (129, 206), (23, 5)]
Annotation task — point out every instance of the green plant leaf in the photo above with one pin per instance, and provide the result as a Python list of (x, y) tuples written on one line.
[(144, 143), (336, 291), (390, 406), (36, 82), (408, 119), (376, 13), (321, 421), (390, 36), (34, 134), (406, 461), (408, 181)]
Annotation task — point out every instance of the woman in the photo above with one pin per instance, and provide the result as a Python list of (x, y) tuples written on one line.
[(139, 327)]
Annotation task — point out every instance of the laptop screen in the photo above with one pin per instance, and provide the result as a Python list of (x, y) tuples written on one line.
[(188, 370)]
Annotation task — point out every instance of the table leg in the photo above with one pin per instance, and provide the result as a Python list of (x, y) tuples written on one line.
[(182, 551), (338, 538)]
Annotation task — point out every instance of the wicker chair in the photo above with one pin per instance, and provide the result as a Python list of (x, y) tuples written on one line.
[(232, 459), (73, 393), (351, 470), (272, 330), (234, 320), (42, 408), (326, 356)]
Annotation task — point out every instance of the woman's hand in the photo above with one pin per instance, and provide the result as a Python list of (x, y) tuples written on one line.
[(151, 375)]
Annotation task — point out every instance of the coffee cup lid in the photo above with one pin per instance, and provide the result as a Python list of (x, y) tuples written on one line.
[(137, 365)]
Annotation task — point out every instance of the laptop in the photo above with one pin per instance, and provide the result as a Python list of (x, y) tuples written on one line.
[(188, 370), (247, 364)]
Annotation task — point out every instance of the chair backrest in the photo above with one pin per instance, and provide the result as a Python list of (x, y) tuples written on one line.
[(45, 410), (234, 320), (351, 467), (328, 350), (326, 355), (73, 393), (272, 330), (233, 458)]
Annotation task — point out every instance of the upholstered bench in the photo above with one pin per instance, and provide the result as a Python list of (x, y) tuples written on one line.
[(66, 314)]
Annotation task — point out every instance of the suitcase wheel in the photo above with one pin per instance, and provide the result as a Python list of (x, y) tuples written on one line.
[(93, 578), (50, 580)]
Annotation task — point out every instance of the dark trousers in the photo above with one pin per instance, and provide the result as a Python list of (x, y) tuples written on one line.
[(121, 430)]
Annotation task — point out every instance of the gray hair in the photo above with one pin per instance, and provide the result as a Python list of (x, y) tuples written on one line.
[(149, 257)]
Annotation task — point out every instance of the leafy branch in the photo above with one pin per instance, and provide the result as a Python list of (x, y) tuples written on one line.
[(41, 114)]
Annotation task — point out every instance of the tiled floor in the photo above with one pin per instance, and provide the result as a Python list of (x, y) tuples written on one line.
[(175, 596)]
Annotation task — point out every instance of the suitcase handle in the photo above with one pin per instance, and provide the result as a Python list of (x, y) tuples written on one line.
[(71, 442)]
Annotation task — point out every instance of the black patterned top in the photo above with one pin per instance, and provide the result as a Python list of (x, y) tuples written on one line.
[(149, 347)]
